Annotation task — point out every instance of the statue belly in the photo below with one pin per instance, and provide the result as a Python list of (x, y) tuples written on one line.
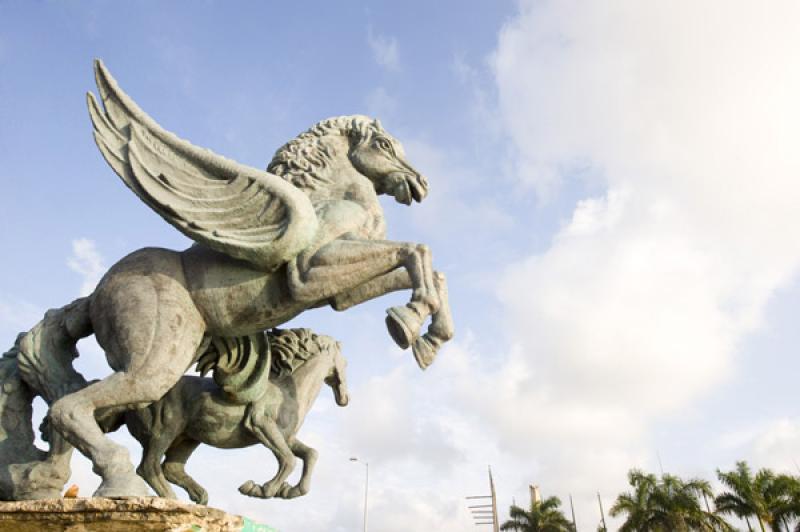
[(219, 424), (234, 297)]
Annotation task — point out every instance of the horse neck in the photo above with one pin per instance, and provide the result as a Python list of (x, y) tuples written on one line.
[(308, 380), (345, 180)]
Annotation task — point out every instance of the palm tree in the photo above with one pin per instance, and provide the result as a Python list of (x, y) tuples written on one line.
[(783, 501), (665, 504), (635, 505), (543, 516), (773, 500)]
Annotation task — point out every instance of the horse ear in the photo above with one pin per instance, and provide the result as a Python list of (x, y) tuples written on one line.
[(377, 124)]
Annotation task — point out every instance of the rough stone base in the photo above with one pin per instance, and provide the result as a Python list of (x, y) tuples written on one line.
[(114, 515)]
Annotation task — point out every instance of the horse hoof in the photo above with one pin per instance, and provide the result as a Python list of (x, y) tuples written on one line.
[(425, 351), (249, 488), (122, 487), (200, 497), (284, 490), (403, 324)]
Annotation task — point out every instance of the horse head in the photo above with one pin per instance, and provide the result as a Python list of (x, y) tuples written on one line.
[(309, 160), (337, 377), (381, 158)]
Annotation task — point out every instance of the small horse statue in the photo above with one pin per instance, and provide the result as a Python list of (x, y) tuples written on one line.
[(252, 401)]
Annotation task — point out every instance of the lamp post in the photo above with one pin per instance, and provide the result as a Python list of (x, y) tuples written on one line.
[(366, 488)]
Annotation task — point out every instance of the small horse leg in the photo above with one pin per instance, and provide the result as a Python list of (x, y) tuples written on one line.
[(309, 457), (174, 468), (155, 437), (150, 468), (267, 432)]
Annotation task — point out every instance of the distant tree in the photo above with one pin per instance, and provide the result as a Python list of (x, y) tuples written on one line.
[(665, 505), (543, 516), (771, 500), (636, 506)]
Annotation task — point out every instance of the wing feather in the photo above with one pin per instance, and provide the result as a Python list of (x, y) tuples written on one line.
[(236, 209)]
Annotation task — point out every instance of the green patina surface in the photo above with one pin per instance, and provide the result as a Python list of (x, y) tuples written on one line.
[(251, 526), (248, 526)]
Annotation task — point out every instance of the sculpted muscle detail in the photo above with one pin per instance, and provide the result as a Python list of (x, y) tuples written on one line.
[(233, 296)]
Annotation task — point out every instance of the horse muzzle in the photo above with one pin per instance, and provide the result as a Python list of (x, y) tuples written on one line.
[(408, 187), (341, 395)]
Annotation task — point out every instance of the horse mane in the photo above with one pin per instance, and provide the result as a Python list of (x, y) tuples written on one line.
[(305, 160), (291, 348)]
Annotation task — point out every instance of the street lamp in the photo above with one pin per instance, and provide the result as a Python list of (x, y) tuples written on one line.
[(366, 488)]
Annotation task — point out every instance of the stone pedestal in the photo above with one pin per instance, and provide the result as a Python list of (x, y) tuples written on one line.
[(119, 515)]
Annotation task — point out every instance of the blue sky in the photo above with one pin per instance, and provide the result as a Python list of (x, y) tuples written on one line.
[(613, 198)]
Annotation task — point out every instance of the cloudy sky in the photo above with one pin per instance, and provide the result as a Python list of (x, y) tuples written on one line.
[(614, 192)]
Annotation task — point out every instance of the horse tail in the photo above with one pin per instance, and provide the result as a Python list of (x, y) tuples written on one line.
[(46, 352), (39, 363), (16, 412)]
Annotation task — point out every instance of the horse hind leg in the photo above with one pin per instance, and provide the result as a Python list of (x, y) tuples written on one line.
[(147, 365), (73, 417), (150, 467), (174, 468)]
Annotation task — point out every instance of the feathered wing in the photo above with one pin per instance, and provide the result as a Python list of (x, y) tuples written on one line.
[(238, 210)]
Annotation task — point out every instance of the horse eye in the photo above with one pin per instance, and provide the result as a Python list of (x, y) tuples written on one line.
[(384, 145)]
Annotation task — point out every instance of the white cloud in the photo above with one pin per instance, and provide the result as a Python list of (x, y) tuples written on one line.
[(17, 316), (384, 50), (456, 205), (381, 104), (88, 262), (771, 443), (687, 116)]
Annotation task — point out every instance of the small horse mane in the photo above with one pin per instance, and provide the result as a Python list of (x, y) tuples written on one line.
[(291, 348), (305, 160)]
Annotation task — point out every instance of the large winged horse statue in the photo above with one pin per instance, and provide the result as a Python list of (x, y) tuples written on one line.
[(307, 232)]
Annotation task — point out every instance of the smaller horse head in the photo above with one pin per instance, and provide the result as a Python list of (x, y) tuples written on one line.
[(337, 377), (294, 349)]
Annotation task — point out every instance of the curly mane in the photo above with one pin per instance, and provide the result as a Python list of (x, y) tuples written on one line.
[(291, 348), (305, 160)]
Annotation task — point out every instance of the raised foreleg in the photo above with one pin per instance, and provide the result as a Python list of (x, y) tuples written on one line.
[(440, 330), (393, 281), (344, 265)]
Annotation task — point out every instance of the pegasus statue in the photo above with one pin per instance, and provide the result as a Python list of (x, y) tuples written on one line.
[(308, 232)]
